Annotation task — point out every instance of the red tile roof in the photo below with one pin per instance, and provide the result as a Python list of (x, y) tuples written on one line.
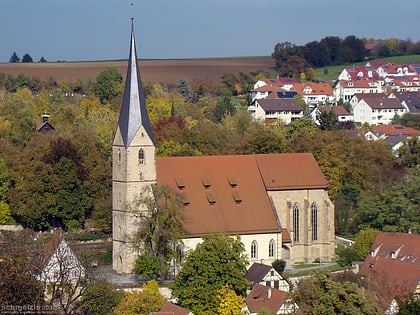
[(393, 267), (317, 88), (395, 129), (220, 189), (339, 110), (259, 298), (171, 309)]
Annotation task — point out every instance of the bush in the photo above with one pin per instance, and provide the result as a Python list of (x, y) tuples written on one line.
[(347, 256), (279, 265), (147, 266)]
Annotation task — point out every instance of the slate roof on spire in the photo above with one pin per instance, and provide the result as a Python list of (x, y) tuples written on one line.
[(133, 110)]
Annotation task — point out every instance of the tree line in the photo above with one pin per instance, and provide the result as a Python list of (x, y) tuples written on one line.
[(293, 60)]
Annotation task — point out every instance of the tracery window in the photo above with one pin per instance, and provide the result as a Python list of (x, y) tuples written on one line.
[(296, 230), (314, 212)]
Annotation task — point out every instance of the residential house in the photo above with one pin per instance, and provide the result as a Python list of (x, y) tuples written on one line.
[(392, 268), (263, 88), (340, 111), (356, 98), (277, 204), (405, 84), (62, 273), (260, 273), (274, 110), (172, 309), (315, 93), (410, 100), (356, 73), (377, 111), (395, 129), (267, 298), (344, 90)]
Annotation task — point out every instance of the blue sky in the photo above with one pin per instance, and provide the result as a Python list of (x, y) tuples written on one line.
[(84, 30)]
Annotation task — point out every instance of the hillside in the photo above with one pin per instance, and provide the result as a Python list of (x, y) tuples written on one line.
[(168, 71)]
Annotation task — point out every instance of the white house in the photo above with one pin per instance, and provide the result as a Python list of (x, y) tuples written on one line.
[(377, 111), (344, 90), (315, 93), (274, 110)]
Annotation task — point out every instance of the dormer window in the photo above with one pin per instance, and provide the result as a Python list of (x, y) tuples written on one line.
[(141, 156)]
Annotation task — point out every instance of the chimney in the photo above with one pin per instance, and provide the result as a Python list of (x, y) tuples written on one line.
[(269, 293)]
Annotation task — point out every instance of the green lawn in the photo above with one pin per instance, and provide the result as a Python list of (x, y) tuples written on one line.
[(331, 73)]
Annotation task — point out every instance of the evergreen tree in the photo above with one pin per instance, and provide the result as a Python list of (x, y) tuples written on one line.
[(14, 58), (27, 58)]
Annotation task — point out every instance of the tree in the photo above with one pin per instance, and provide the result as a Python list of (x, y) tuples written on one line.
[(410, 306), (27, 58), (108, 85), (101, 297), (229, 302), (161, 228), (216, 262), (363, 241), (347, 257), (42, 60), (279, 265), (143, 302), (18, 264), (14, 58), (320, 294), (225, 107), (327, 119)]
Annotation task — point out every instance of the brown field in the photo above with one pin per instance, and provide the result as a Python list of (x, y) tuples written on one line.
[(156, 71)]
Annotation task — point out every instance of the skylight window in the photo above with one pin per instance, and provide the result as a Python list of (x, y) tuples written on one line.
[(211, 199), (206, 182)]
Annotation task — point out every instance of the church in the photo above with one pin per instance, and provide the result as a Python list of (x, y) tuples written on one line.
[(277, 204)]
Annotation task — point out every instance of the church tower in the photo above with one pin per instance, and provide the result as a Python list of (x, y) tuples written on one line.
[(133, 165)]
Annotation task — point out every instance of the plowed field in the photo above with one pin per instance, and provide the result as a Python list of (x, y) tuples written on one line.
[(156, 71)]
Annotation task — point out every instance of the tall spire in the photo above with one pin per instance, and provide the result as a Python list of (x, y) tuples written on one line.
[(133, 110)]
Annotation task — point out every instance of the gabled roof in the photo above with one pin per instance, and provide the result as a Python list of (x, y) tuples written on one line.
[(361, 96), (339, 110), (395, 129), (217, 190), (384, 103), (172, 309), (256, 273), (279, 104), (262, 296), (315, 88), (133, 110), (394, 261), (395, 139), (411, 99)]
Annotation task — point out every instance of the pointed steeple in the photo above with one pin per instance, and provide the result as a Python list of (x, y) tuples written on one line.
[(133, 110)]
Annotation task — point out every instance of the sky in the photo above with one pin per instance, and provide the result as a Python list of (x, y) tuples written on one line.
[(89, 30)]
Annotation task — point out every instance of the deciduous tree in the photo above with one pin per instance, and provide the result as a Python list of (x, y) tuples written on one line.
[(320, 294), (161, 228), (216, 262)]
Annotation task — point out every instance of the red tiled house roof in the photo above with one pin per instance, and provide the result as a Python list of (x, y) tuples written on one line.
[(395, 129), (393, 266), (262, 297)]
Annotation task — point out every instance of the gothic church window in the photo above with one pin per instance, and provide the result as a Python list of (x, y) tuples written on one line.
[(296, 210), (254, 249), (271, 247), (314, 212)]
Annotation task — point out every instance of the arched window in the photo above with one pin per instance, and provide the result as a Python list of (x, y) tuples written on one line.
[(314, 212), (119, 155), (254, 249), (141, 156), (271, 248), (296, 210)]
